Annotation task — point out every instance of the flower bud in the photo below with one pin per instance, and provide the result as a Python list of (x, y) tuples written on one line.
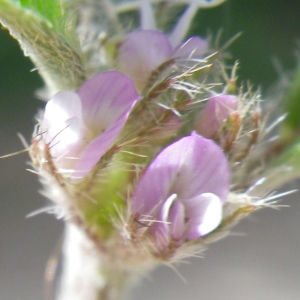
[(216, 111)]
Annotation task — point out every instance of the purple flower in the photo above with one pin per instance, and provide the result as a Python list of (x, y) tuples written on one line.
[(145, 50), (216, 111), (80, 127), (181, 194)]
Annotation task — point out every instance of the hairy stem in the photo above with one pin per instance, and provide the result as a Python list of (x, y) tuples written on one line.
[(86, 273)]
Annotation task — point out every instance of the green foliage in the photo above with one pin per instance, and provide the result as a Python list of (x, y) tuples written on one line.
[(51, 10), (58, 62), (291, 125), (284, 168), (108, 200)]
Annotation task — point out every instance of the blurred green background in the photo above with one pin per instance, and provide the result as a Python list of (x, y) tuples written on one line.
[(263, 265)]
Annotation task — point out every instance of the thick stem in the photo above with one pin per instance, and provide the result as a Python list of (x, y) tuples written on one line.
[(86, 275)]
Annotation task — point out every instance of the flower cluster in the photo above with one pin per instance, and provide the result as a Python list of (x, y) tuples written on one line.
[(144, 157), (148, 147)]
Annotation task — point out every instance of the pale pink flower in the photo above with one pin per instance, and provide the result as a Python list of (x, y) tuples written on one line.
[(181, 194), (143, 51), (80, 127)]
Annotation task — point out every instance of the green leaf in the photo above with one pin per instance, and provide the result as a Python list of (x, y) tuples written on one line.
[(282, 169), (51, 10), (292, 107), (289, 157), (57, 61)]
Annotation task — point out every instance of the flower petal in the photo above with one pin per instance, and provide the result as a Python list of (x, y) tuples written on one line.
[(204, 213), (105, 98), (200, 3), (63, 106), (183, 24), (176, 219), (68, 143), (189, 167), (170, 223), (154, 187), (141, 53), (65, 133), (94, 151), (195, 47), (161, 223), (215, 112), (204, 168)]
